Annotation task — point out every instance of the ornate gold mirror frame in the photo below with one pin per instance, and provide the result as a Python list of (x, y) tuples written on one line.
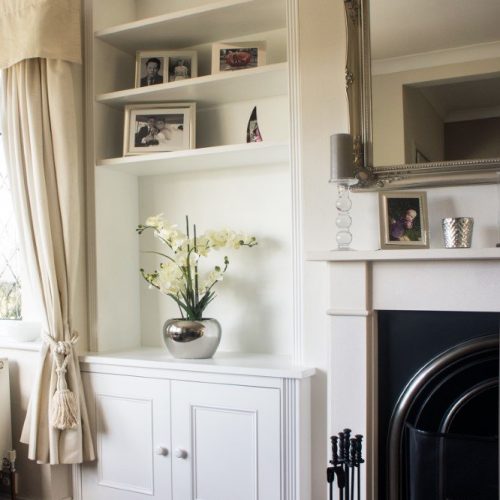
[(358, 86)]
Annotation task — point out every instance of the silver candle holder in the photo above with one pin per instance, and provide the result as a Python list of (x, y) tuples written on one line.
[(457, 232)]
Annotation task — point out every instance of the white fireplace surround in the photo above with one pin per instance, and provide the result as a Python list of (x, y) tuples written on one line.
[(363, 282)]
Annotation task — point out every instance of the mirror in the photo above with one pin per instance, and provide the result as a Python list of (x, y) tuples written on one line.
[(423, 83)]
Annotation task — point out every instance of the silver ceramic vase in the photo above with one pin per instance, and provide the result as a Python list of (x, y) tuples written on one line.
[(188, 339)]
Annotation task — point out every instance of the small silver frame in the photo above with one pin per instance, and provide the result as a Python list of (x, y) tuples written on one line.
[(385, 219)]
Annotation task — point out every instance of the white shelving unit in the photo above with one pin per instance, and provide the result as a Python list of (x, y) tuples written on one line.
[(223, 182), (206, 23), (223, 102), (203, 159), (209, 90)]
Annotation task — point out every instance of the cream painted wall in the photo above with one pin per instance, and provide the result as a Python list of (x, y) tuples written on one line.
[(37, 482), (423, 127), (324, 112)]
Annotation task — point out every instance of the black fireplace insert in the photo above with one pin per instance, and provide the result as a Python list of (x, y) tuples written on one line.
[(438, 406)]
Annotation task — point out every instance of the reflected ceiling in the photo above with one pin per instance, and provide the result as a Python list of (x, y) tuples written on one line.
[(402, 27)]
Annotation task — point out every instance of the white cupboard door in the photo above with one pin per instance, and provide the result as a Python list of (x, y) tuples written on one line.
[(226, 442), (130, 418)]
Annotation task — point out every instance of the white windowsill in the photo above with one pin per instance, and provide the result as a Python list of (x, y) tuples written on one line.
[(19, 345), (16, 334)]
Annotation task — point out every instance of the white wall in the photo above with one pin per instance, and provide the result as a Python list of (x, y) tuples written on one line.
[(254, 308), (37, 482), (423, 127), (324, 111)]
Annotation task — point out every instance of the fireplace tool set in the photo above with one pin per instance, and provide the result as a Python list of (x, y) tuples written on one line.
[(346, 465)]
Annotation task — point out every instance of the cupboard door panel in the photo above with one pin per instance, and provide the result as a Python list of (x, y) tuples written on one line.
[(231, 436), (130, 422)]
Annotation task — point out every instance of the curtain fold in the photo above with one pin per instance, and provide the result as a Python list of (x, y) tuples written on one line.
[(43, 149), (48, 29)]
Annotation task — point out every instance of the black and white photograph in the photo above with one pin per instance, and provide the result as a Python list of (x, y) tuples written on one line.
[(161, 66), (159, 128), (151, 68), (237, 56), (182, 65)]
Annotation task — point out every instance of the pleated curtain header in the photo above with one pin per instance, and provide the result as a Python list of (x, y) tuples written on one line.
[(49, 29)]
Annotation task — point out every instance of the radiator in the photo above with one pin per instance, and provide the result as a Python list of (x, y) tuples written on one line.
[(5, 422)]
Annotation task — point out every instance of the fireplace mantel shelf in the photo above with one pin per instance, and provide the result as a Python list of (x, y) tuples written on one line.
[(432, 254), (364, 282)]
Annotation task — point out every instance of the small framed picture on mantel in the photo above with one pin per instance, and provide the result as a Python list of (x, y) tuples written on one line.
[(403, 220)]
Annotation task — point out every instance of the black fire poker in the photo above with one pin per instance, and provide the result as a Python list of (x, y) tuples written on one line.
[(346, 465)]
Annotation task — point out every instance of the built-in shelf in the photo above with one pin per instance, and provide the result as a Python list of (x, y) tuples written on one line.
[(207, 23), (231, 156), (393, 255), (210, 90), (262, 365)]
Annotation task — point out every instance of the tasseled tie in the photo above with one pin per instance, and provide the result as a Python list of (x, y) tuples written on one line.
[(63, 405)]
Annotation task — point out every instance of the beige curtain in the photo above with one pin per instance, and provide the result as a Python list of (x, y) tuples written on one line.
[(43, 148), (39, 28)]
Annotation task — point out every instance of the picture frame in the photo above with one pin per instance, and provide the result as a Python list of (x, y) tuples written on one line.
[(182, 65), (235, 56), (159, 127), (153, 67), (403, 219)]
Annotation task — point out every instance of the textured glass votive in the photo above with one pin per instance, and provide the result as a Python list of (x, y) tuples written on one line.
[(457, 232)]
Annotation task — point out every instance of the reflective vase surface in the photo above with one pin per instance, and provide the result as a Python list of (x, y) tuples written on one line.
[(188, 339)]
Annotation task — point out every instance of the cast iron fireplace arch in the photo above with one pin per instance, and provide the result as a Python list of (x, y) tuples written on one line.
[(474, 351)]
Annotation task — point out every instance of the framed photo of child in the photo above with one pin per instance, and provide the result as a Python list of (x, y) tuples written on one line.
[(403, 219)]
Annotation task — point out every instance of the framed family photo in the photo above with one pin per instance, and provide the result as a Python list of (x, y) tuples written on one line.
[(403, 219), (237, 55), (153, 67), (152, 128)]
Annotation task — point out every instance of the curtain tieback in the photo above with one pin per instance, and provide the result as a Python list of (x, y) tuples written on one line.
[(63, 406)]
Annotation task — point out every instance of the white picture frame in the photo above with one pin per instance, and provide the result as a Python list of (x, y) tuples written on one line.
[(159, 127), (171, 65), (236, 56)]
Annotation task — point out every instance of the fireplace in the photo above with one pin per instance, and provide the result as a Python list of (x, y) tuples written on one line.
[(365, 284), (437, 405)]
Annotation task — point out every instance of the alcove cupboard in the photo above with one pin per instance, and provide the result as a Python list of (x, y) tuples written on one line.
[(208, 411)]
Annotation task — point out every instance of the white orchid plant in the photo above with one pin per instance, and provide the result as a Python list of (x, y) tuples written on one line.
[(179, 275)]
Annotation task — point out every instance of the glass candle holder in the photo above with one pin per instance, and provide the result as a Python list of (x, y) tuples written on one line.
[(343, 219)]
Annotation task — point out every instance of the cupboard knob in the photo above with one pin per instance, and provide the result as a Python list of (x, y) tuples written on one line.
[(161, 450), (180, 453)]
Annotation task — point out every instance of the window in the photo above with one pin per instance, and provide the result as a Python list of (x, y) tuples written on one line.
[(10, 283)]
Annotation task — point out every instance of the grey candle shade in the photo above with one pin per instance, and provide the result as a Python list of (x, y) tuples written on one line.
[(341, 157)]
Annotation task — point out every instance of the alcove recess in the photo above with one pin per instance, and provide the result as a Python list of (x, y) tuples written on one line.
[(223, 182)]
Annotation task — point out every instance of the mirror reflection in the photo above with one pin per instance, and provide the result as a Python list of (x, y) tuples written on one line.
[(435, 80)]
